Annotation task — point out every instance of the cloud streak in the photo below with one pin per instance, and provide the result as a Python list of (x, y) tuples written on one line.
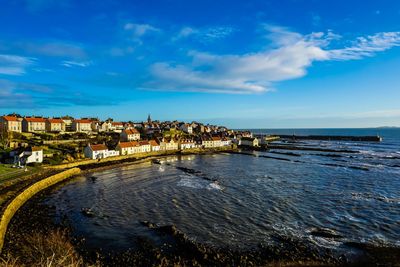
[(14, 65), (204, 35), (71, 64), (288, 57), (32, 95)]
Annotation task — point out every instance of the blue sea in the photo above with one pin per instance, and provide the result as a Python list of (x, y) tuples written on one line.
[(247, 200)]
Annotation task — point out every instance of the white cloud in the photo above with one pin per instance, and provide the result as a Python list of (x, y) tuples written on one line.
[(70, 64), (139, 30), (204, 34), (14, 65), (55, 49), (288, 58), (367, 46)]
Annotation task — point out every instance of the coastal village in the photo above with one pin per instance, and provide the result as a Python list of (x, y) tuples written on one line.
[(39, 140)]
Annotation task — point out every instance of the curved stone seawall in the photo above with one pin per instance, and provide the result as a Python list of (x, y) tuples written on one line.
[(9, 211)]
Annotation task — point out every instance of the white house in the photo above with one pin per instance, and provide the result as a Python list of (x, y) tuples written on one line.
[(217, 141), (130, 135), (34, 125), (170, 145), (82, 126), (249, 141), (128, 148), (207, 142), (99, 151), (187, 144), (226, 142), (10, 124), (117, 127), (23, 156), (187, 128), (155, 146), (55, 125), (145, 146)]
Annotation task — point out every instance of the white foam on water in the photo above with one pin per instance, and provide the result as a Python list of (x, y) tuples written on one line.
[(191, 183), (214, 186)]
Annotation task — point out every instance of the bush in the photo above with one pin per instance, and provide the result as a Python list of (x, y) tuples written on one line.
[(52, 249)]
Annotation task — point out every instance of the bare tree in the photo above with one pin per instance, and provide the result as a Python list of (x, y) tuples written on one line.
[(5, 138)]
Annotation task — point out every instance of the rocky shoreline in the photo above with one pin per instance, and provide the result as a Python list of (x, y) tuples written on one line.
[(35, 217)]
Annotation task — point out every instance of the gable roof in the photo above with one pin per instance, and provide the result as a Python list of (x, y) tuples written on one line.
[(99, 147), (35, 119), (128, 144), (131, 131), (10, 118), (144, 143), (154, 143), (55, 120), (83, 121)]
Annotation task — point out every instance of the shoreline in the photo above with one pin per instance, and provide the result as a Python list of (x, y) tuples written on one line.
[(35, 215)]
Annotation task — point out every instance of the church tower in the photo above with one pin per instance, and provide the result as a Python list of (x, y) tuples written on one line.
[(149, 119)]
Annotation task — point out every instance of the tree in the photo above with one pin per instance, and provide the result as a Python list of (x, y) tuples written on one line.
[(5, 138)]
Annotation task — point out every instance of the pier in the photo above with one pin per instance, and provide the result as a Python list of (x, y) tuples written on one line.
[(376, 138)]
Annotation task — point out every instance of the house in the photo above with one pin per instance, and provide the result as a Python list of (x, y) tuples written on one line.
[(187, 144), (99, 151), (145, 146), (130, 135), (95, 151), (249, 141), (187, 128), (68, 123), (55, 125), (207, 142), (169, 144), (10, 124), (155, 146), (33, 125), (82, 126), (95, 125), (117, 127), (25, 155), (128, 148), (217, 141), (226, 142)]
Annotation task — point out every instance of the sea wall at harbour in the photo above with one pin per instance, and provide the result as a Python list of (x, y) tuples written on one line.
[(9, 211), (136, 156)]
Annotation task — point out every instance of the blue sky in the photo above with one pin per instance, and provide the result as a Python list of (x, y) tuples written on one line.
[(269, 64)]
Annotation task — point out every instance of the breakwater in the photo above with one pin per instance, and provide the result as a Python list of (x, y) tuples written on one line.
[(376, 138)]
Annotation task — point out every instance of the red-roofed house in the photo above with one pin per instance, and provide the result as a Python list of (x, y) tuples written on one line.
[(145, 146), (82, 126), (127, 148), (117, 127), (99, 151), (155, 146), (32, 125), (130, 135), (55, 125), (10, 124)]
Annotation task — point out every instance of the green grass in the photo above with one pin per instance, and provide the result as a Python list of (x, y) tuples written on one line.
[(7, 172), (5, 168)]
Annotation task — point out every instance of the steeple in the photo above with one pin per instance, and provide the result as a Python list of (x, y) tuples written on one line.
[(149, 119)]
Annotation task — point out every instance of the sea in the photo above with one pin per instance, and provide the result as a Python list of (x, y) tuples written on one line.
[(336, 201)]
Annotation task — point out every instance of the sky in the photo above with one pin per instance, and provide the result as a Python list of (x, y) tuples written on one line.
[(242, 64)]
